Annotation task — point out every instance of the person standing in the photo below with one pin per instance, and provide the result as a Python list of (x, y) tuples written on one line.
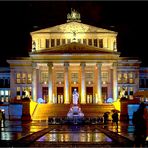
[(105, 116), (115, 118), (1, 118), (139, 122)]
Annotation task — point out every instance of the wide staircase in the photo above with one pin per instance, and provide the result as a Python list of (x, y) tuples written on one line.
[(44, 111)]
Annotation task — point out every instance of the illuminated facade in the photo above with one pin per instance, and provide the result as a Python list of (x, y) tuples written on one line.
[(4, 84), (74, 55)]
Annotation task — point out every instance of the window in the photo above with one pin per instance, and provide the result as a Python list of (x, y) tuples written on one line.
[(104, 76), (52, 42), (58, 42), (6, 92), (119, 90), (146, 83), (18, 78), (2, 99), (21, 78), (30, 90), (74, 77), (131, 76), (63, 41), (1, 82), (119, 78), (47, 43), (2, 92), (89, 77), (18, 91), (4, 95), (45, 93), (125, 78), (29, 80), (68, 41), (90, 42), (95, 43), (24, 78), (114, 45), (101, 43), (59, 77), (131, 91), (6, 99), (7, 83), (44, 77), (126, 92), (142, 83), (84, 41), (79, 40), (23, 92)]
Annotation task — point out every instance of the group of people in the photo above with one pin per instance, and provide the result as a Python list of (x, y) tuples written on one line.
[(114, 118), (140, 122)]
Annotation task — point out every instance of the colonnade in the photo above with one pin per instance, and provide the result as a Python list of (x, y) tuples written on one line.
[(98, 81)]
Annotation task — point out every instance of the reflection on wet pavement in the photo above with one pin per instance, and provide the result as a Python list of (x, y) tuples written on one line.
[(12, 135), (64, 133), (75, 137), (13, 130), (75, 134)]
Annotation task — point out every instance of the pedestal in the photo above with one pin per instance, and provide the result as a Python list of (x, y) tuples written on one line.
[(75, 114), (124, 110), (26, 110)]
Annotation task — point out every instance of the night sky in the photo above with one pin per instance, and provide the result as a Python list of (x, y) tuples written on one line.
[(129, 19)]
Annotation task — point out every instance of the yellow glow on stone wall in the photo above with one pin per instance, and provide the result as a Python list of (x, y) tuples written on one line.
[(53, 97), (98, 98), (117, 104), (32, 106), (83, 98)]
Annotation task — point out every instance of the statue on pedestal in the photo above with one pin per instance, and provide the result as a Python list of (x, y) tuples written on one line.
[(75, 97), (75, 115)]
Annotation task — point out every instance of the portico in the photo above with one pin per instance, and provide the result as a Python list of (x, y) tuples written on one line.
[(62, 77)]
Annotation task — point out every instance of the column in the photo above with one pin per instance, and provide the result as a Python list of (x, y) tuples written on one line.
[(83, 88), (110, 85), (34, 82), (99, 84), (12, 83), (50, 100), (115, 90), (39, 91), (66, 84)]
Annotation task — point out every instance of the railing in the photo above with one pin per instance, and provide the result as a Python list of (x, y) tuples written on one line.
[(83, 120)]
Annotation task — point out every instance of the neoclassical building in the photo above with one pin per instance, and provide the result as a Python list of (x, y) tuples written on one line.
[(74, 55)]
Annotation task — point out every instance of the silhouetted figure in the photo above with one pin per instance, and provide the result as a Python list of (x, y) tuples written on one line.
[(1, 118), (139, 122), (105, 116), (115, 118)]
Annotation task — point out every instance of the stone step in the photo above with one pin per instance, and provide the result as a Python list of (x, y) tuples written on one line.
[(43, 111)]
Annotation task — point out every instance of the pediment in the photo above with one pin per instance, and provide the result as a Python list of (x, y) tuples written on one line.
[(73, 27)]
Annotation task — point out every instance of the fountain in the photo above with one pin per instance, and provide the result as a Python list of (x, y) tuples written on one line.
[(75, 115)]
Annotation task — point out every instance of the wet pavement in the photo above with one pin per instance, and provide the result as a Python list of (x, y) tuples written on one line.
[(40, 134)]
